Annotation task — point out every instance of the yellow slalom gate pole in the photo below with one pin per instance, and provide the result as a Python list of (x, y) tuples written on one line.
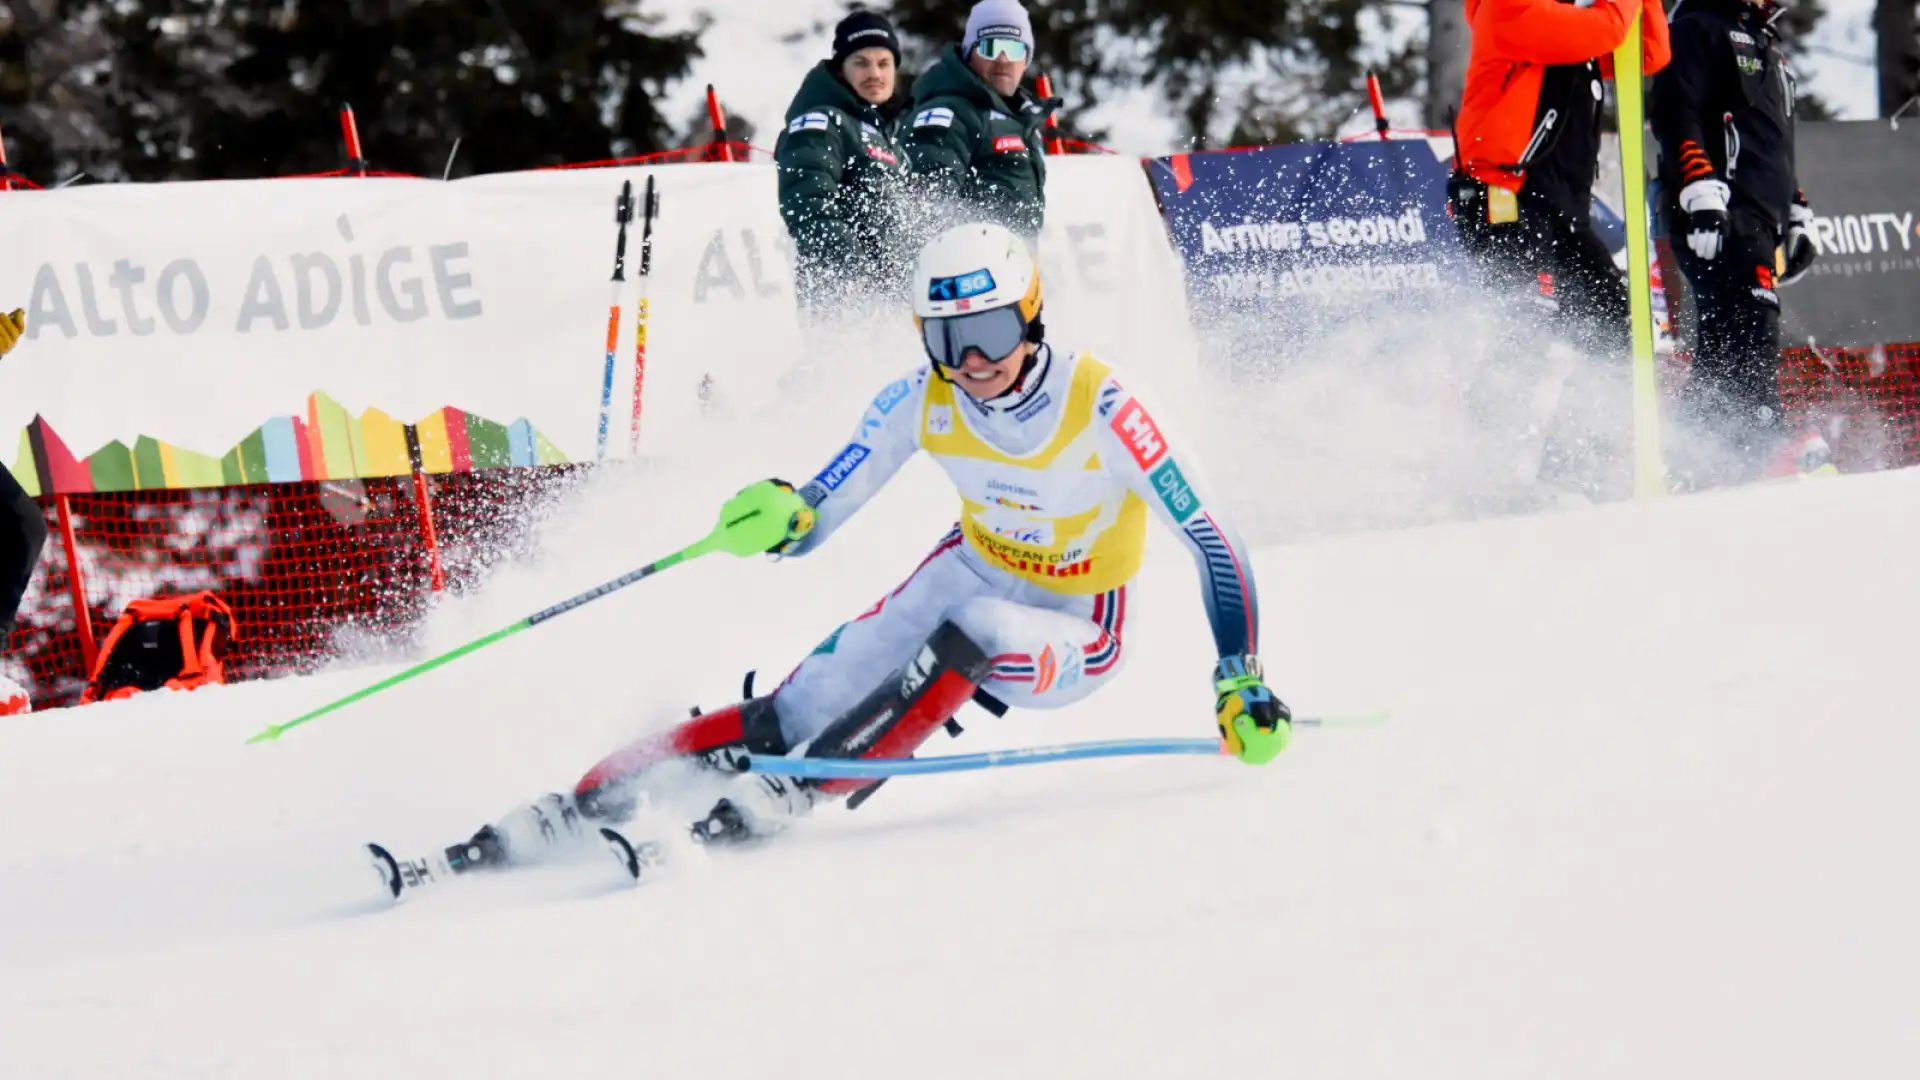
[(1649, 472)]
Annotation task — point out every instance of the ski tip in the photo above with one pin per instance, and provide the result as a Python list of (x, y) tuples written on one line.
[(634, 858), (387, 867), (623, 852)]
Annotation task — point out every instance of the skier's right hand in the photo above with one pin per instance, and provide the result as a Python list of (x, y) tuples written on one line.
[(1705, 204), (765, 517), (11, 327)]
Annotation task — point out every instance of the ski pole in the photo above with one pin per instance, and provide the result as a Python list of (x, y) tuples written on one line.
[(714, 541), (885, 768)]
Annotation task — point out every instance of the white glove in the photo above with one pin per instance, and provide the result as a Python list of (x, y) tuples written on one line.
[(1799, 245), (1705, 204)]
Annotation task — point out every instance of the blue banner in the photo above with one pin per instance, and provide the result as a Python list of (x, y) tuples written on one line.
[(1303, 233)]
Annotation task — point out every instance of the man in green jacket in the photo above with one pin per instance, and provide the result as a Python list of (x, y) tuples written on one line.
[(974, 138), (842, 174)]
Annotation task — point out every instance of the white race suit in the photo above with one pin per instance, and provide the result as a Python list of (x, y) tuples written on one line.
[(1056, 480)]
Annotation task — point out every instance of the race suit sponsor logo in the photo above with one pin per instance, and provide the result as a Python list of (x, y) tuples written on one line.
[(1033, 408), (1140, 433), (843, 466), (1007, 144), (1175, 492), (893, 395), (1064, 565)]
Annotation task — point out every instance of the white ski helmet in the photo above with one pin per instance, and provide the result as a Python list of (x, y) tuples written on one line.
[(976, 287)]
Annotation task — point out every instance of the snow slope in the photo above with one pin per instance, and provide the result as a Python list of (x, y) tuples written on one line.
[(1644, 809)]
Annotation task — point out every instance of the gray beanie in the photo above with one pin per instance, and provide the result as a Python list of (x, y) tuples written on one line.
[(997, 19)]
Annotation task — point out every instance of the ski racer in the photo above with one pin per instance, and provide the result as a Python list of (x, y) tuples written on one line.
[(1024, 603)]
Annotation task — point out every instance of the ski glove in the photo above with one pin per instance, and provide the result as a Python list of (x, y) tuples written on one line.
[(11, 327), (765, 517), (1254, 724), (1705, 204), (1800, 249)]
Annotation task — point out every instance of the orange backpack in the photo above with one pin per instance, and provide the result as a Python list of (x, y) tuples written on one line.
[(177, 642)]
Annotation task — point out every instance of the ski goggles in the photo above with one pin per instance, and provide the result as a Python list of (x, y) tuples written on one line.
[(1000, 48), (993, 334)]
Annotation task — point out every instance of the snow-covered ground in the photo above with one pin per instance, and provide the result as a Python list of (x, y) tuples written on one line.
[(1644, 808)]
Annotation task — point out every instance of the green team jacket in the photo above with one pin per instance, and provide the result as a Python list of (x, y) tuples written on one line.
[(968, 144), (842, 177)]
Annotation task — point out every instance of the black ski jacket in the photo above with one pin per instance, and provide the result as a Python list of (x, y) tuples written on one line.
[(1723, 109)]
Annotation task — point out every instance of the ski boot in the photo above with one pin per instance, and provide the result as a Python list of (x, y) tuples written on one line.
[(548, 825), (890, 722)]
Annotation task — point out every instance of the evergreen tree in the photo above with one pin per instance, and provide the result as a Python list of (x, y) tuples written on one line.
[(184, 89)]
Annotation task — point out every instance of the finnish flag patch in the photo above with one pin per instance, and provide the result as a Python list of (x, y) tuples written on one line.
[(934, 117), (813, 121)]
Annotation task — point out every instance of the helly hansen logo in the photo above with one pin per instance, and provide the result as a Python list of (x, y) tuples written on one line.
[(1140, 433)]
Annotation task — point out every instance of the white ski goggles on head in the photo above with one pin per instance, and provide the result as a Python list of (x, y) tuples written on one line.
[(1002, 48), (993, 334)]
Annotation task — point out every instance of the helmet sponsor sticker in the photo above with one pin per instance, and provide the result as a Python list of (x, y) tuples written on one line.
[(961, 286)]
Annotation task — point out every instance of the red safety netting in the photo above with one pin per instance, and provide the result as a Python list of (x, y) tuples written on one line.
[(312, 570), (1866, 400)]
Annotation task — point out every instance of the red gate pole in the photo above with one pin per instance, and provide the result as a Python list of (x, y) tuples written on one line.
[(1044, 84), (719, 149), (76, 583), (350, 135), (422, 492), (423, 502), (1379, 106)]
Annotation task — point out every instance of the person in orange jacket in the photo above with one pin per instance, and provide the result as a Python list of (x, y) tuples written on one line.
[(1526, 153), (1527, 145)]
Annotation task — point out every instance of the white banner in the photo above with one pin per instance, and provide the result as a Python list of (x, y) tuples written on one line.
[(201, 333)]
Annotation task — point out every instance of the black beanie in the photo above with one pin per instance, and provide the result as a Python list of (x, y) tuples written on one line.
[(864, 30)]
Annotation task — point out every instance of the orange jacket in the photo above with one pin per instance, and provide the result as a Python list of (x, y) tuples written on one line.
[(1515, 43)]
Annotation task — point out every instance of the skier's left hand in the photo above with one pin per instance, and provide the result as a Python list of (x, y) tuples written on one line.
[(1799, 245), (765, 517), (1254, 723)]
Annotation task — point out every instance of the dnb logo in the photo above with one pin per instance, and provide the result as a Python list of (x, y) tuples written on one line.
[(1175, 492), (1140, 433), (960, 287)]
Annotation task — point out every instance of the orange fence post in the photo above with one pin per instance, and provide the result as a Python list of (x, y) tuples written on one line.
[(719, 149), (1044, 84), (76, 582)]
